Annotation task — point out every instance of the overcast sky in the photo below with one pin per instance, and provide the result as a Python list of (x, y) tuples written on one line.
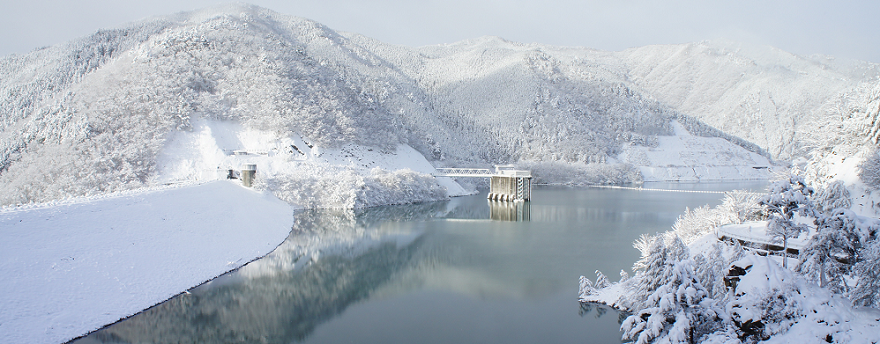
[(842, 28)]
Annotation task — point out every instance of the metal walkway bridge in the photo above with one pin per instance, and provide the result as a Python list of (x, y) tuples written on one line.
[(500, 171), (505, 183), (462, 172)]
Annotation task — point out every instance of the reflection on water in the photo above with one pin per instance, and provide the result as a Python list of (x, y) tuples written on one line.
[(344, 220), (509, 211), (429, 273), (281, 308), (332, 259)]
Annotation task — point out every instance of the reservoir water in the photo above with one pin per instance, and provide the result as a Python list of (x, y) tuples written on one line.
[(461, 271)]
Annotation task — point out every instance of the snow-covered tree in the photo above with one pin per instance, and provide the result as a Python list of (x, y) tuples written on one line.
[(585, 287), (831, 253), (832, 196), (784, 199), (693, 223), (653, 269), (711, 267), (678, 311), (739, 206), (601, 280), (867, 290)]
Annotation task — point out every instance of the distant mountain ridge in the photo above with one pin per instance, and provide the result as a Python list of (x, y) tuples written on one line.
[(761, 94), (93, 115)]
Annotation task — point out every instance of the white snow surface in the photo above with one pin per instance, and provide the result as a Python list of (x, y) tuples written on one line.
[(213, 147), (756, 232), (834, 166), (688, 158), (821, 312), (71, 268)]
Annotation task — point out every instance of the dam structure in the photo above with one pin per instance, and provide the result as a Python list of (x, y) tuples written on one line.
[(505, 183)]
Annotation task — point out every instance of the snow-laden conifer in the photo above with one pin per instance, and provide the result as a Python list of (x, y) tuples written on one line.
[(784, 199), (585, 287), (739, 206), (867, 290), (832, 196), (654, 269), (679, 311), (831, 253), (711, 268)]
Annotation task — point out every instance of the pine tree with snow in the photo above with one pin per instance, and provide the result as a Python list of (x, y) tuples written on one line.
[(586, 288), (867, 290), (786, 198), (739, 206), (831, 197), (711, 269), (679, 311), (654, 268), (831, 254), (601, 280)]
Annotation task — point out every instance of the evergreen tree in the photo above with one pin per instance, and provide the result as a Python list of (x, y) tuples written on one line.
[(586, 288), (831, 254), (832, 196), (867, 290), (786, 198), (739, 206), (680, 311), (711, 270), (654, 268)]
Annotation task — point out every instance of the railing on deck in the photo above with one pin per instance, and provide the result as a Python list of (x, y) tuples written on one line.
[(462, 172)]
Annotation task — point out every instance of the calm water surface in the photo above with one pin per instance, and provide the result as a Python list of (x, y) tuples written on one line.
[(462, 271)]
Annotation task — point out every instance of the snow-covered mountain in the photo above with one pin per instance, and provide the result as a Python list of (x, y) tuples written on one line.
[(761, 94), (844, 166), (152, 102)]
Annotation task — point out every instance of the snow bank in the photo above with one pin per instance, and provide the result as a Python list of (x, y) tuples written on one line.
[(790, 309), (756, 232), (73, 268), (688, 158)]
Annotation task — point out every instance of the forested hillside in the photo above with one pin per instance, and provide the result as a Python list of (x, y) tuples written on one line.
[(94, 115)]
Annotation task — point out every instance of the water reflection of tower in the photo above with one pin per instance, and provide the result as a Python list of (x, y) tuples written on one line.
[(509, 211)]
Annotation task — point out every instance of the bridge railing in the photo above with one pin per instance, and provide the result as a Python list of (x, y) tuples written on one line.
[(462, 172), (480, 172), (515, 173)]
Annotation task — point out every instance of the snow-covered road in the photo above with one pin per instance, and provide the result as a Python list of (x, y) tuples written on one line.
[(71, 268)]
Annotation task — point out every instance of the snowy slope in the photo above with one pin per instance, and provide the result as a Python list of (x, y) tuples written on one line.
[(688, 158), (759, 93), (74, 267), (299, 172)]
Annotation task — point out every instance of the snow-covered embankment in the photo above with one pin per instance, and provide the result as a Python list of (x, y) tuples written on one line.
[(75, 267)]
